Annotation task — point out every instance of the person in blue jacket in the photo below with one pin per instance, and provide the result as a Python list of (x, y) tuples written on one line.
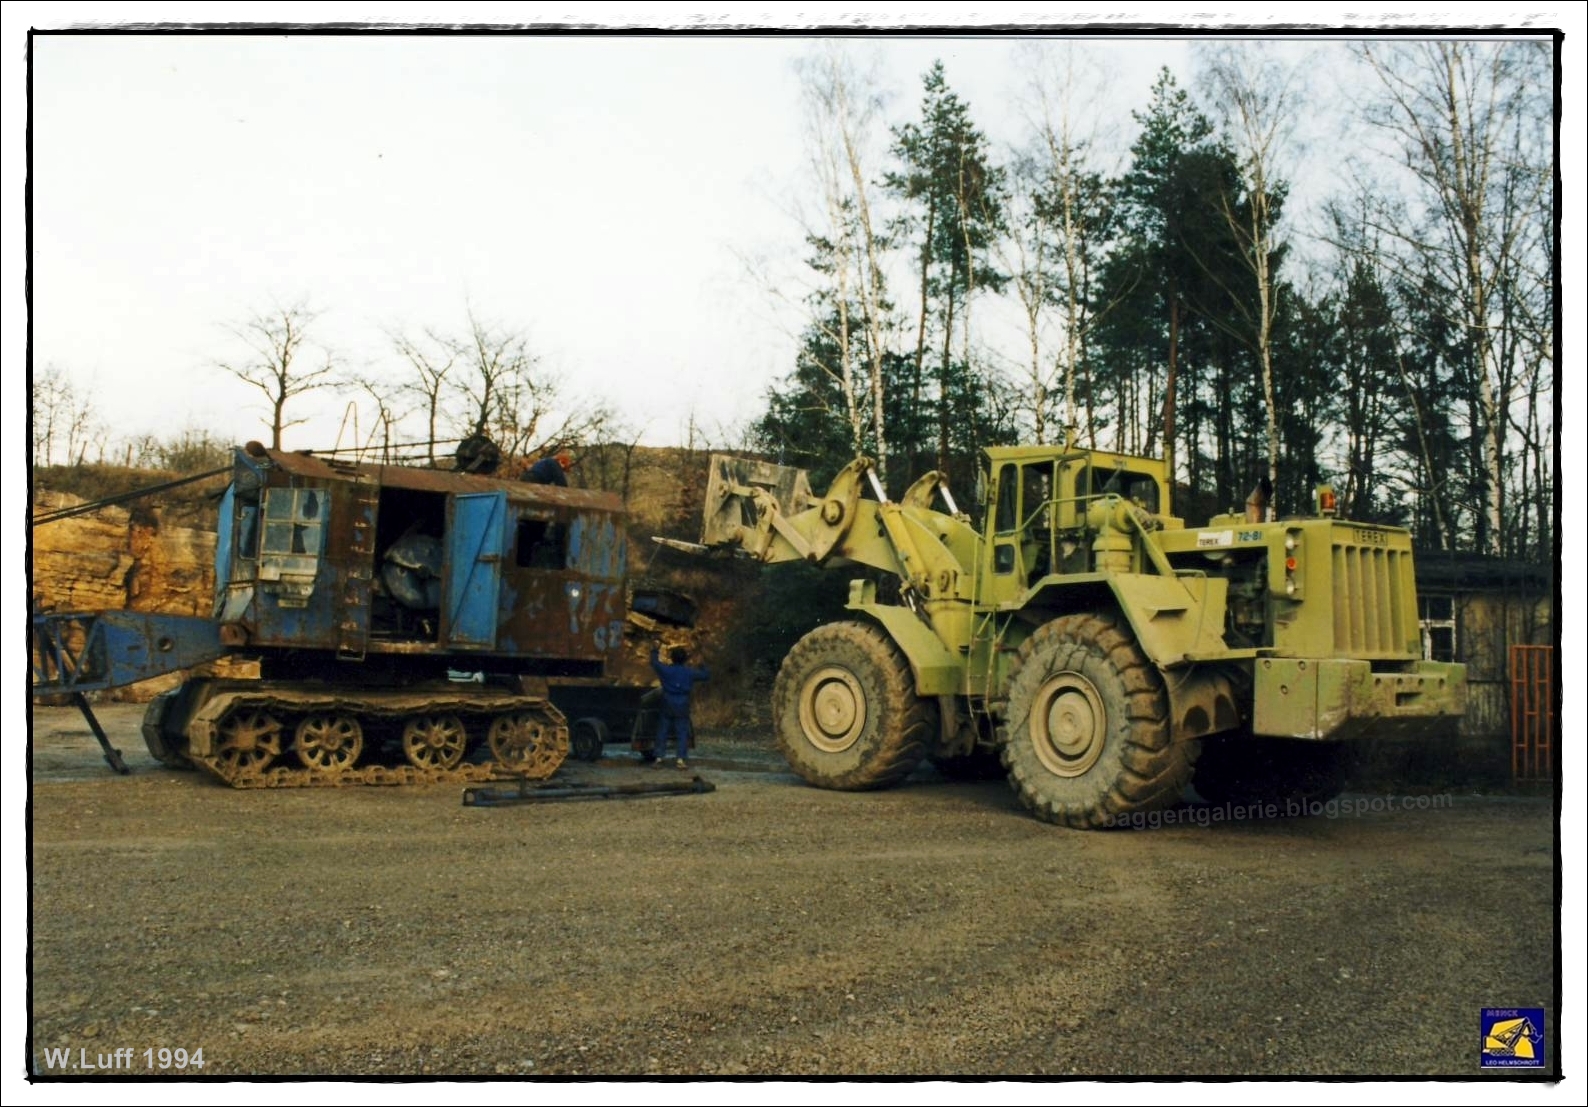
[(678, 681), (550, 470)]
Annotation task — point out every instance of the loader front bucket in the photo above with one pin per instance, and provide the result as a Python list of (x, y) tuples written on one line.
[(730, 508)]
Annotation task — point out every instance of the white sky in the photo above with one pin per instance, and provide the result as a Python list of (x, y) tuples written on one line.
[(607, 196), (599, 194), (620, 201)]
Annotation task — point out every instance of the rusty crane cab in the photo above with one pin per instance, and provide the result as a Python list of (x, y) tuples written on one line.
[(334, 560)]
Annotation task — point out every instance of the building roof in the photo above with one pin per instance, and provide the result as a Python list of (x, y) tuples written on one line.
[(1479, 572)]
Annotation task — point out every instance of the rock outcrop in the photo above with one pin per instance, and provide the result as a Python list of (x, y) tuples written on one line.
[(114, 558), (118, 558)]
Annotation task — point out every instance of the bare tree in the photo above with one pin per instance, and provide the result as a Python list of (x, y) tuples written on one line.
[(509, 396), (841, 106), (503, 395), (432, 358), (1027, 253), (280, 347), (1062, 217), (64, 418), (50, 396), (386, 416), (1470, 122), (1254, 96)]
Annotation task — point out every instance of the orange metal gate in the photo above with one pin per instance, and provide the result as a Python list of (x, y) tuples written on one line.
[(1533, 712)]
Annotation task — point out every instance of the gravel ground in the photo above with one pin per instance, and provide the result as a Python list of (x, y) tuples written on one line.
[(765, 928)]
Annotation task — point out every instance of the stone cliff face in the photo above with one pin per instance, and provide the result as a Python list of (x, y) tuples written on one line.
[(114, 558), (120, 559)]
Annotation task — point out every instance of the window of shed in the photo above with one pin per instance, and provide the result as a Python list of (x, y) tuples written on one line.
[(542, 544), (1437, 617)]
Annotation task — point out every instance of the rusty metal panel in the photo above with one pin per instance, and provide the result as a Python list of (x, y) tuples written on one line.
[(90, 652), (472, 577), (296, 565), (563, 584), (727, 511), (528, 571)]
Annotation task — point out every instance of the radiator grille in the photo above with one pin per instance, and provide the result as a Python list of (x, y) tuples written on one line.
[(1372, 586)]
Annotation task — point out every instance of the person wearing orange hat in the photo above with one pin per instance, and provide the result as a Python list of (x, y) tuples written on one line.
[(550, 470)]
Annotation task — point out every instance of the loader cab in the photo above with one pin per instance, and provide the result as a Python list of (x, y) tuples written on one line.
[(1036, 515), (1022, 514)]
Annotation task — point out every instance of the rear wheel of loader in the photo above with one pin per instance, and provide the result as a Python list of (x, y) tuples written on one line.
[(846, 711), (1088, 737), (1242, 769)]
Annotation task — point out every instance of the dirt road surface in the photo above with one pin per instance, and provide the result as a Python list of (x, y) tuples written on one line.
[(766, 928)]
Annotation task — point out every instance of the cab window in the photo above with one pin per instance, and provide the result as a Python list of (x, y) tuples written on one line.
[(1008, 517)]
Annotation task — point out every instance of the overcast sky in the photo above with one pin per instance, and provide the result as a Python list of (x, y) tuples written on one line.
[(619, 200), (622, 202)]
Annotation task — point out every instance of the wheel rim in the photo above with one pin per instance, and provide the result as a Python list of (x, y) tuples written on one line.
[(832, 709), (248, 741), (516, 740), (1069, 725), (435, 741), (329, 742), (587, 740)]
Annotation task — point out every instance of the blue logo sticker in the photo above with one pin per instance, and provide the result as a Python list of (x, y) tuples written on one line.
[(1512, 1038)]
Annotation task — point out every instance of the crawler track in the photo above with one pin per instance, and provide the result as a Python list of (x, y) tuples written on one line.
[(252, 734)]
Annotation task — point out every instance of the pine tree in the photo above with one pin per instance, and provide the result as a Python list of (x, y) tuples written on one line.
[(955, 211)]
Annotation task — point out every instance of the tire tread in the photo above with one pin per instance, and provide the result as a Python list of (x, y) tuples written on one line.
[(905, 739), (1153, 769)]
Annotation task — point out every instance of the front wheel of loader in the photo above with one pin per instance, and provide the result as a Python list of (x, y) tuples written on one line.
[(846, 711), (1088, 739)]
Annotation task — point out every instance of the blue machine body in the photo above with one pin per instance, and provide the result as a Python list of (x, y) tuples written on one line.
[(358, 560)]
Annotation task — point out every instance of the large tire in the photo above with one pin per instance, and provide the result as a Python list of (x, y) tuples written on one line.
[(1241, 769), (1088, 738), (846, 711)]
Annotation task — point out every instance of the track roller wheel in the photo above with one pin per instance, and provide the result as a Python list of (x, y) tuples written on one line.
[(435, 741), (329, 742), (527, 743), (247, 741)]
